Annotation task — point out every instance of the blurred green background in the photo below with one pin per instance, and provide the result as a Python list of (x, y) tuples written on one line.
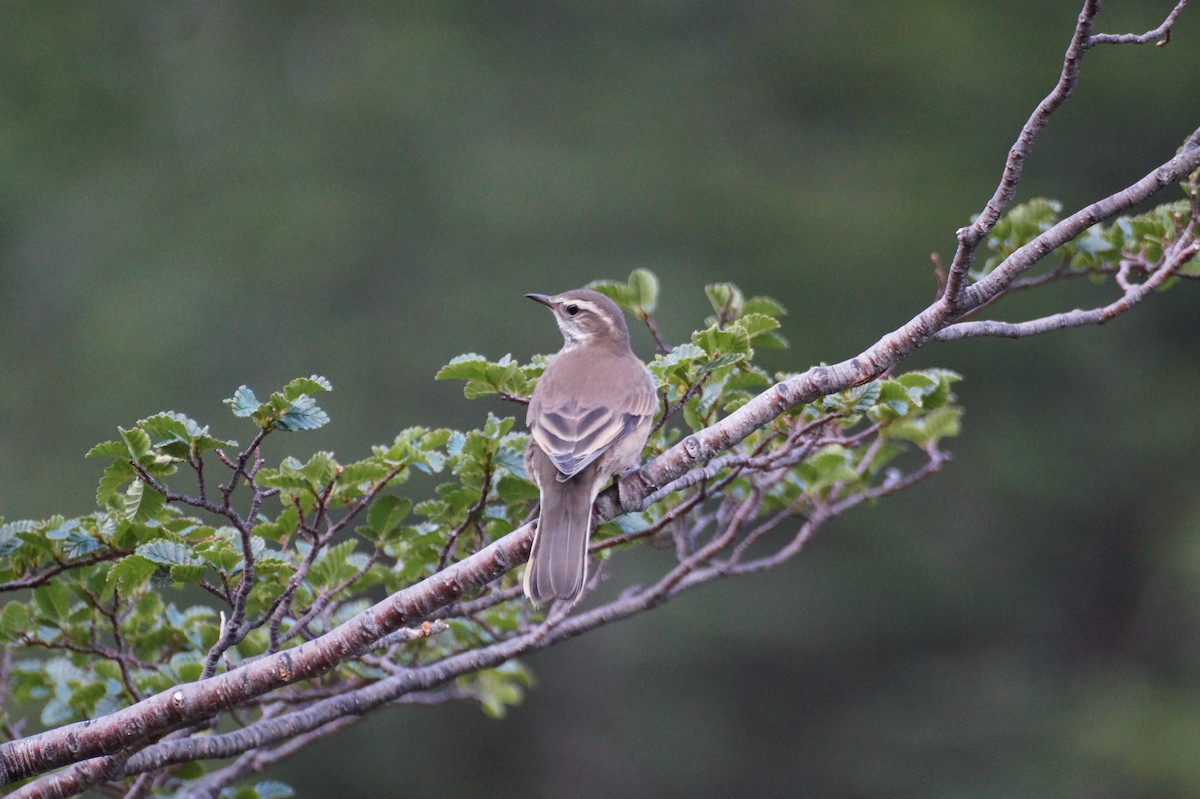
[(196, 195)]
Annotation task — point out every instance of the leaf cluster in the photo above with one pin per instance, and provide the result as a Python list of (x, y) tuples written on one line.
[(200, 555), (1133, 240)]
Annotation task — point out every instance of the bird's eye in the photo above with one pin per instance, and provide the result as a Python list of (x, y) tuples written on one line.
[(572, 309)]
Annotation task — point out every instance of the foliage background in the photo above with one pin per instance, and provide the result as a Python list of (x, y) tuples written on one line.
[(199, 195)]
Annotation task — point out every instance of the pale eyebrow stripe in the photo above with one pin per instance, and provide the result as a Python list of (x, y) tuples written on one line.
[(588, 304)]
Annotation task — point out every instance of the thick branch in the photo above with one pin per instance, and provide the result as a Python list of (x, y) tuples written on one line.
[(134, 727), (194, 702)]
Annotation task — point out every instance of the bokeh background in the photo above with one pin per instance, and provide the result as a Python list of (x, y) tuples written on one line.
[(196, 195)]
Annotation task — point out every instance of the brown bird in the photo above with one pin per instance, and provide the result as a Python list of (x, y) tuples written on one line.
[(589, 418)]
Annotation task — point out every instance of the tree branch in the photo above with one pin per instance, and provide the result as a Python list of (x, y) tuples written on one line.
[(101, 748)]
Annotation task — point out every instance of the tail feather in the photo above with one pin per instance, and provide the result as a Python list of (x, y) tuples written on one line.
[(558, 562)]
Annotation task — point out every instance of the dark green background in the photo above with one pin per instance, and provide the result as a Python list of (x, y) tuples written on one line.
[(199, 195)]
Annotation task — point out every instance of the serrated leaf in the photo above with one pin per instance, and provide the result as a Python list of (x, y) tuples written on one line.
[(14, 621), (303, 415), (764, 305), (137, 443), (320, 468), (512, 459), (61, 531), (511, 488), (186, 574), (84, 697), (108, 449), (167, 425), (681, 354), (303, 386), (387, 512), (829, 465), (243, 402), (221, 554), (283, 525), (755, 324), (474, 389), (726, 299), (79, 544), (930, 428), (284, 480), (180, 436), (10, 542), (332, 566), (142, 503), (53, 600), (860, 398), (169, 553), (368, 471), (468, 366), (115, 475)]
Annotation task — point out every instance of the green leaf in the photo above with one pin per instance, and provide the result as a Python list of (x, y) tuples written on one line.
[(365, 471), (518, 489), (1019, 226), (726, 299), (14, 621), (53, 600), (334, 565), (620, 293), (137, 443), (724, 346), (928, 429), (108, 449), (468, 366), (893, 402), (499, 688), (179, 436), (243, 402), (131, 573), (829, 465), (303, 415), (10, 541), (142, 503), (222, 554), (85, 697), (303, 386), (764, 305), (643, 285), (115, 475), (755, 324), (283, 525), (186, 574), (79, 544), (169, 553), (386, 514), (61, 531), (167, 426), (320, 469)]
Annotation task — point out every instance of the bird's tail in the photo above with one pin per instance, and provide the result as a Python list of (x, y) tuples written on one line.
[(558, 562)]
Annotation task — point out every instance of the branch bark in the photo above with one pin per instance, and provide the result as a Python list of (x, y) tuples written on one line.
[(128, 741)]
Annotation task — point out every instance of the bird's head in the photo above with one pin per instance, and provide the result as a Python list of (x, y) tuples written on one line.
[(586, 317)]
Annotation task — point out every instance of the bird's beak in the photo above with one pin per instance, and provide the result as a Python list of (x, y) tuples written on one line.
[(542, 298)]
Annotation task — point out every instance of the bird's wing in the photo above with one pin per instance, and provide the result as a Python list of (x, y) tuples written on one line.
[(574, 435)]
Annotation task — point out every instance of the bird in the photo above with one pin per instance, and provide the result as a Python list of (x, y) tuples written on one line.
[(589, 418)]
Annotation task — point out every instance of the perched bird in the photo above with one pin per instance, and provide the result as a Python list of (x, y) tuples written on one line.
[(589, 418)]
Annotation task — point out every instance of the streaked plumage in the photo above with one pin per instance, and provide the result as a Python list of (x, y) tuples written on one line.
[(588, 418)]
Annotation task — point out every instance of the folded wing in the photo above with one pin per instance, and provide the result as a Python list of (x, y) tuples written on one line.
[(573, 436)]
